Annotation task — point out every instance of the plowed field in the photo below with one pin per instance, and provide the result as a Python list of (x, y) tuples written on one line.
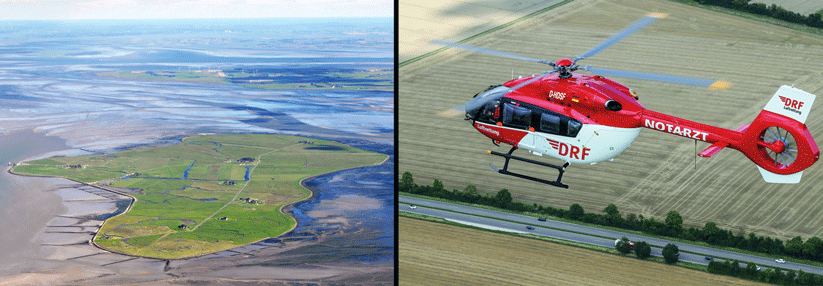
[(439, 254)]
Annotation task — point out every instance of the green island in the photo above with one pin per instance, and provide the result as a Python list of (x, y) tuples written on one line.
[(206, 194), (363, 79)]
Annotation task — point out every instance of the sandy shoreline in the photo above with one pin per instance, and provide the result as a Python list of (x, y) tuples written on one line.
[(61, 251)]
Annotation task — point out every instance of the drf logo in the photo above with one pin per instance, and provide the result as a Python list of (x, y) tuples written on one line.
[(570, 151), (791, 102)]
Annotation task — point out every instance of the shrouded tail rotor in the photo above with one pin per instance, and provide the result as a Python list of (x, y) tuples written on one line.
[(779, 145)]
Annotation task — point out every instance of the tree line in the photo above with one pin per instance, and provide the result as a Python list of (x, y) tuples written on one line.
[(773, 11), (642, 249), (771, 275), (671, 226)]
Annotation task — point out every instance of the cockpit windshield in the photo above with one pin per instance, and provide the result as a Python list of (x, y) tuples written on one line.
[(484, 104)]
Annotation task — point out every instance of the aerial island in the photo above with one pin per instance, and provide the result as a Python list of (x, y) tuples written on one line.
[(208, 193)]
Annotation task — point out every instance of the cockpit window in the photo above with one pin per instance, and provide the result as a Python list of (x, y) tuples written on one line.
[(486, 113), (516, 116)]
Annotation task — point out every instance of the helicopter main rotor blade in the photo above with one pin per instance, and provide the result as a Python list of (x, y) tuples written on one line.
[(486, 51), (640, 24), (708, 83)]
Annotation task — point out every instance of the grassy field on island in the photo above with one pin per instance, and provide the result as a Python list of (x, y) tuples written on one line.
[(204, 183)]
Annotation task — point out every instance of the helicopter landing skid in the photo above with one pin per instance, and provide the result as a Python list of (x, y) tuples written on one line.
[(505, 170)]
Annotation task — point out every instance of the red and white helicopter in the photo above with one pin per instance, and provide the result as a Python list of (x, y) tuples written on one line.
[(582, 119)]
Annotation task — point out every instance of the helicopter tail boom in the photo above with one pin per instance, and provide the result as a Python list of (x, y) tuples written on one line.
[(716, 147)]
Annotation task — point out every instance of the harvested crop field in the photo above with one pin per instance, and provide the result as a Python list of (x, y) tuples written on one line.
[(658, 172), (804, 7), (440, 254)]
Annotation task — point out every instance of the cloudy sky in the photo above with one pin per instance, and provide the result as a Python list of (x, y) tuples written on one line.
[(177, 9)]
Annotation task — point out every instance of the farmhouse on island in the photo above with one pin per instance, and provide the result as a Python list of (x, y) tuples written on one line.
[(246, 160), (250, 200), (182, 226)]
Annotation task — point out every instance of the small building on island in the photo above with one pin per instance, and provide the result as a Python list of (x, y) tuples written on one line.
[(246, 160), (250, 200), (182, 226)]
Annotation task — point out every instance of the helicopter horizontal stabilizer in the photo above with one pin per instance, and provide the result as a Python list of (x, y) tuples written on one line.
[(716, 147)]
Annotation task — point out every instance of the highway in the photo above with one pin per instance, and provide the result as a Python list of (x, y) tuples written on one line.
[(578, 233)]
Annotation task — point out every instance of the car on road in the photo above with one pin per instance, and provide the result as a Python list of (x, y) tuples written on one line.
[(709, 258), (412, 207), (631, 243), (529, 227), (542, 219), (780, 260)]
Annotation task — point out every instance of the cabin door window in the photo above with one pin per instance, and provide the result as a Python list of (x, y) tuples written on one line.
[(516, 116)]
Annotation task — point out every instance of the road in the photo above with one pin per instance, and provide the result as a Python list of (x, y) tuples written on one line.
[(578, 233)]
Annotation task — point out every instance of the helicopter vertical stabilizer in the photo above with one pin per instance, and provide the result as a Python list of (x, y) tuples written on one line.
[(792, 103), (782, 137)]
